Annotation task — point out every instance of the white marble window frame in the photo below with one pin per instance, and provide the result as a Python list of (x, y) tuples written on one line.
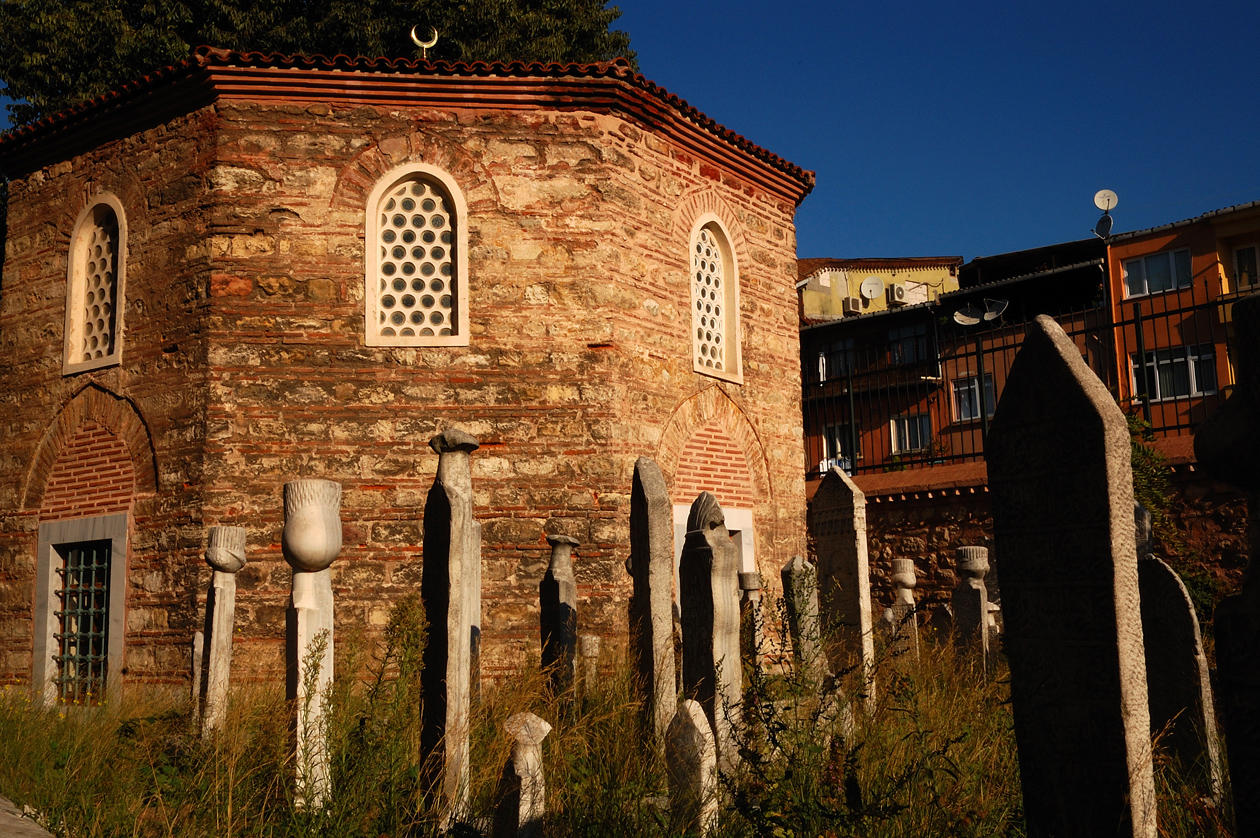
[(72, 351), (732, 335), (53, 537)]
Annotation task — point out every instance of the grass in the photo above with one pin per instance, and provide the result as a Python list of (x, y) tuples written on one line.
[(936, 757)]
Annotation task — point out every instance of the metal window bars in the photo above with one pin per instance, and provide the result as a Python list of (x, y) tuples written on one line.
[(83, 642)]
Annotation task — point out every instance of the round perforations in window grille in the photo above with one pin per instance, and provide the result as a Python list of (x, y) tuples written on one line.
[(417, 262), (100, 287), (709, 299)]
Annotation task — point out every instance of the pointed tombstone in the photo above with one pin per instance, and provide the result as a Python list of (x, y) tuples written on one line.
[(709, 600), (837, 524), (651, 564), (225, 552), (900, 620), (311, 540), (691, 765), (1226, 446), (557, 597), (1178, 685), (452, 555), (1058, 461), (970, 604), (522, 792), (800, 594)]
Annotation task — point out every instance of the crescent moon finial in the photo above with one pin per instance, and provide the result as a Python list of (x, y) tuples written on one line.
[(425, 45)]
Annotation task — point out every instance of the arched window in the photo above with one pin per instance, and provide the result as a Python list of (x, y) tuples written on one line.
[(714, 302), (416, 276), (94, 288)]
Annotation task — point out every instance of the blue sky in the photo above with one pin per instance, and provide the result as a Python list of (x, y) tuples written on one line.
[(974, 128), (971, 129)]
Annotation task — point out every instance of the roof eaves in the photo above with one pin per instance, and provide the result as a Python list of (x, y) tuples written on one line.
[(1175, 225)]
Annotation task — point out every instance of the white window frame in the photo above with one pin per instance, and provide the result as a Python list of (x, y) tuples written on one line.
[(49, 559), (969, 383), (835, 440), (733, 361), (924, 421), (1191, 355), (1239, 282), (72, 352), (1130, 268), (371, 268)]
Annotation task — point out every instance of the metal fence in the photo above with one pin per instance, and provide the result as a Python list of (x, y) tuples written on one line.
[(923, 395)]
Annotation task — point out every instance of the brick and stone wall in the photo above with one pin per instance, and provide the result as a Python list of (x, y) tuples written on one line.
[(244, 363)]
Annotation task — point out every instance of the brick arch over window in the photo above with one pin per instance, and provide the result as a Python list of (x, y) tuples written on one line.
[(93, 405), (711, 421), (361, 175), (93, 475), (698, 204)]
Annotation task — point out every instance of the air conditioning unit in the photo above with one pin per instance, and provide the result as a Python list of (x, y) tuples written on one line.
[(896, 294), (851, 305)]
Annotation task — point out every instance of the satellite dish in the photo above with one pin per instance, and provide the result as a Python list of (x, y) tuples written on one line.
[(1105, 200), (1103, 228), (871, 287), (993, 308), (969, 315)]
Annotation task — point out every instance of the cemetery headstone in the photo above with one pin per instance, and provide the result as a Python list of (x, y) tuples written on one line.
[(651, 565), (1178, 686), (588, 652), (557, 595), (800, 595), (1061, 482), (691, 765), (310, 542), (837, 524), (970, 605), (225, 553), (452, 556), (522, 792), (752, 637), (901, 623), (709, 600)]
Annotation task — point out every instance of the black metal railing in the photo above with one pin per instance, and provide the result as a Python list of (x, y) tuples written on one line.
[(925, 397)]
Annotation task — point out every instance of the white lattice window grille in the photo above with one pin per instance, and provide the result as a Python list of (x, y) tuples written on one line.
[(714, 303), (416, 280), (94, 295)]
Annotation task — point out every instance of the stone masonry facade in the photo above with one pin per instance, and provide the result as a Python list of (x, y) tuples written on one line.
[(244, 362)]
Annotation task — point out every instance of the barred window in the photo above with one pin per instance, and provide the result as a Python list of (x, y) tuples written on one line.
[(83, 621), (415, 292), (94, 295), (714, 303)]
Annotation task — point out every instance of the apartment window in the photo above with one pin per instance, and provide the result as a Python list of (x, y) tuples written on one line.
[(908, 344), (912, 432), (840, 449), (1157, 272), (94, 287), (416, 279), (1245, 265), (79, 607), (967, 397), (836, 360), (1174, 373), (714, 302)]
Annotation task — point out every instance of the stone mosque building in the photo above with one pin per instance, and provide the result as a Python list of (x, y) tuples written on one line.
[(246, 268)]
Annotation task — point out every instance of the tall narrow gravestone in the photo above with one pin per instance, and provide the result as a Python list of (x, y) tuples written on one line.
[(1177, 680), (557, 598), (709, 594), (800, 596), (691, 765), (837, 524), (1228, 448), (225, 553), (970, 604), (900, 620), (452, 555), (1059, 469), (311, 540), (651, 565)]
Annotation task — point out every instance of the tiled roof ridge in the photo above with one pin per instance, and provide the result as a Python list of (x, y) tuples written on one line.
[(206, 57)]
